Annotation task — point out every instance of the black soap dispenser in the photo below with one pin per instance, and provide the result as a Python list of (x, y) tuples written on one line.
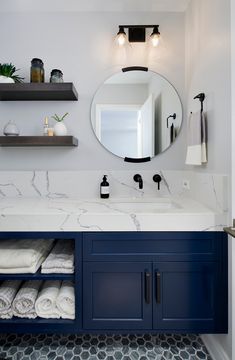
[(104, 188)]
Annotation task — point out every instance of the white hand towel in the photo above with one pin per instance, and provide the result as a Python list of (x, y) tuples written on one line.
[(61, 257), (45, 305), (24, 303), (8, 290), (24, 255), (197, 139), (66, 300)]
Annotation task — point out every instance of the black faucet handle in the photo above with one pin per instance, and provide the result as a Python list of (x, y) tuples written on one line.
[(138, 178), (157, 178)]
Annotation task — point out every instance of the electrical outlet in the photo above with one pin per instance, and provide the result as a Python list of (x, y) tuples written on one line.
[(186, 184)]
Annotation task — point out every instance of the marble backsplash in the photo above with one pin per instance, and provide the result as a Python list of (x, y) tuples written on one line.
[(209, 189)]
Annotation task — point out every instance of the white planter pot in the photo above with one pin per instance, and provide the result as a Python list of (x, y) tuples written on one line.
[(6, 80), (60, 129)]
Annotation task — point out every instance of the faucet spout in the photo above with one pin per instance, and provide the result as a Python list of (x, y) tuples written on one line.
[(138, 178)]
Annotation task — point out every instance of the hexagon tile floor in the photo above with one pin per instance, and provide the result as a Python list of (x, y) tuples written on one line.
[(102, 347)]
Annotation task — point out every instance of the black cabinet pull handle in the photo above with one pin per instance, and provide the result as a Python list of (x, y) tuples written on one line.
[(158, 287), (147, 287)]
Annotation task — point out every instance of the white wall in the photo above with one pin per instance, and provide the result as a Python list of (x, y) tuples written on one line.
[(208, 70), (232, 182), (81, 44)]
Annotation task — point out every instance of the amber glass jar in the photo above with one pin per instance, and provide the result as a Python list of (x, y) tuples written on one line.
[(37, 71)]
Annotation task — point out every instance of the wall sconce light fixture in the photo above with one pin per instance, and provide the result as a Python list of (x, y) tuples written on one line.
[(137, 33)]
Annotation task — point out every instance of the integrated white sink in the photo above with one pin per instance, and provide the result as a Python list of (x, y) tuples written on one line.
[(114, 214), (144, 205)]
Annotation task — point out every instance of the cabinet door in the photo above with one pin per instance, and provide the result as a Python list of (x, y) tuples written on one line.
[(117, 295), (186, 297)]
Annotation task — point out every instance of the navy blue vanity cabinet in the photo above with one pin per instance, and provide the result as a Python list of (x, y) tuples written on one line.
[(155, 281), (185, 296), (41, 325), (117, 295), (143, 282)]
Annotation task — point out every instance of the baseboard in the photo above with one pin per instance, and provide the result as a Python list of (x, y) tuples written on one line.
[(215, 349)]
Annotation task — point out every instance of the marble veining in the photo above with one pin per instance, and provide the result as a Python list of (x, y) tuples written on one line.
[(52, 194), (69, 201), (34, 185), (103, 215), (165, 182)]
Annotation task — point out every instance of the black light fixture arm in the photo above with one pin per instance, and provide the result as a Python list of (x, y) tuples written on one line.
[(138, 26), (137, 33)]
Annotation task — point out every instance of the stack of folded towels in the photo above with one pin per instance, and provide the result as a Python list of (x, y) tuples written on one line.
[(61, 258), (24, 255), (51, 299)]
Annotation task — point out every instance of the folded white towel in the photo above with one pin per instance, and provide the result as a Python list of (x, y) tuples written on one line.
[(66, 300), (197, 139), (8, 290), (57, 271), (45, 305), (61, 257), (24, 303), (24, 255)]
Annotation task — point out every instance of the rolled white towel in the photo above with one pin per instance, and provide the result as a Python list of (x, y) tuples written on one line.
[(45, 305), (61, 257), (8, 290), (66, 300), (24, 303)]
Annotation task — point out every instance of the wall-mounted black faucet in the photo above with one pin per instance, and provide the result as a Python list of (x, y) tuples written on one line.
[(138, 178), (157, 178)]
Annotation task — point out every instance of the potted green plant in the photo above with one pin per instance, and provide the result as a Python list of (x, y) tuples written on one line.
[(60, 128), (7, 74)]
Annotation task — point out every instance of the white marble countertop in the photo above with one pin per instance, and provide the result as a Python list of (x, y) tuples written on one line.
[(124, 214)]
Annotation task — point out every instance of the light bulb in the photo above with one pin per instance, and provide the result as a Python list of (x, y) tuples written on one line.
[(121, 37), (155, 39), (155, 36)]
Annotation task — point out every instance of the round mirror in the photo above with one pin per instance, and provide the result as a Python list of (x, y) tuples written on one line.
[(136, 114)]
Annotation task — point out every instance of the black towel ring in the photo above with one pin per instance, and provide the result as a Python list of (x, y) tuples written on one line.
[(201, 98)]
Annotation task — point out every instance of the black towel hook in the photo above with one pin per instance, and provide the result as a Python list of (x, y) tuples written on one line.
[(173, 116), (201, 98)]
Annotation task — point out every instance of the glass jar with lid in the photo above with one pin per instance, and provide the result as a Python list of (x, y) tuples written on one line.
[(37, 71), (56, 76)]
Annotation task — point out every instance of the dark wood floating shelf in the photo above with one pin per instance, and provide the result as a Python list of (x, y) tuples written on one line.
[(38, 92), (38, 141)]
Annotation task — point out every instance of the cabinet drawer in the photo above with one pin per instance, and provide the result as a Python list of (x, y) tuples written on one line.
[(160, 246)]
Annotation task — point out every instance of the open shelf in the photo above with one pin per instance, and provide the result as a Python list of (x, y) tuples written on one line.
[(37, 276), (38, 141), (38, 320), (38, 92)]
